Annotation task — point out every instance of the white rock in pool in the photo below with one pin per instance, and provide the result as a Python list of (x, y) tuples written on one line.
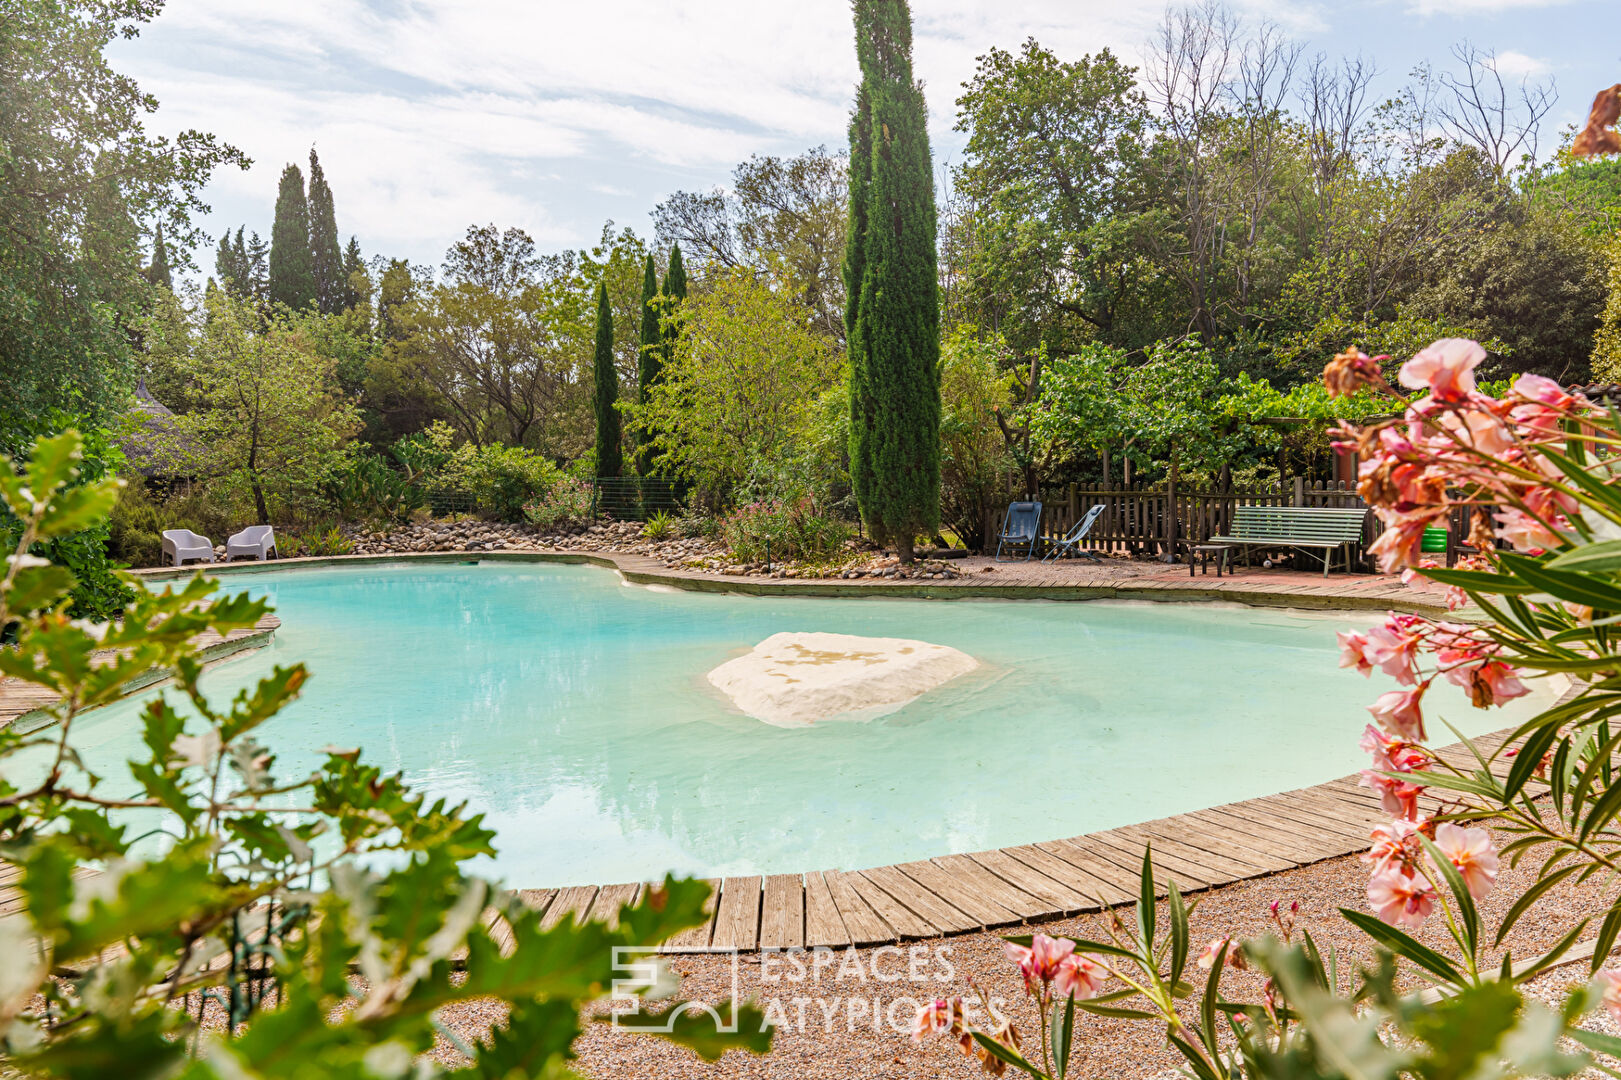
[(796, 679)]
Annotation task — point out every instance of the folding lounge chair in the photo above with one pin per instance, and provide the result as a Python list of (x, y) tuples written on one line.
[(1021, 525), (183, 544), (257, 541), (1059, 546)]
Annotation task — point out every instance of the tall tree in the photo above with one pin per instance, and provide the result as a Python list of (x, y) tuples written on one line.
[(675, 291), (158, 272), (892, 313), (292, 274), (610, 461), (254, 258), (326, 256), (78, 173), (650, 362), (356, 282)]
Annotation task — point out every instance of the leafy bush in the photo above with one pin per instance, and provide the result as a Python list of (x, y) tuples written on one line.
[(692, 525), (368, 489), (499, 479), (105, 973), (314, 543), (783, 529), (567, 502), (661, 526)]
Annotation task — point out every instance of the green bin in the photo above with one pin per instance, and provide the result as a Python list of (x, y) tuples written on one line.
[(1435, 541)]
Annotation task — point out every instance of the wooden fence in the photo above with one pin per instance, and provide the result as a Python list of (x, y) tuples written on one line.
[(1138, 520)]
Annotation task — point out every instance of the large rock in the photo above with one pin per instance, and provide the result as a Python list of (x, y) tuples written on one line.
[(796, 679)]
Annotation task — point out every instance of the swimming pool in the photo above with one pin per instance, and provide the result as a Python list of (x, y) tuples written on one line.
[(573, 710)]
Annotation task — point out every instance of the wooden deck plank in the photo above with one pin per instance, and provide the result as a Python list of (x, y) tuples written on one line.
[(963, 894), (928, 906), (1122, 882), (1324, 836), (824, 926), (1128, 856), (698, 937), (574, 900), (782, 912), (863, 924), (904, 923), (998, 890), (1058, 896), (1202, 847), (605, 908), (737, 921), (1251, 836)]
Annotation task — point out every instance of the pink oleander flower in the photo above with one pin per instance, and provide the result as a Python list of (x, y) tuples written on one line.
[(1235, 955), (1608, 983), (939, 1017), (1540, 388), (1392, 650), (1489, 683), (1397, 711), (1401, 543), (1078, 976), (1393, 843), (1398, 797), (1353, 651), (1040, 962), (1480, 430), (1400, 899), (1471, 851), (1446, 368)]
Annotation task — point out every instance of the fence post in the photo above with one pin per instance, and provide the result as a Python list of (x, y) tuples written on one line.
[(1300, 491)]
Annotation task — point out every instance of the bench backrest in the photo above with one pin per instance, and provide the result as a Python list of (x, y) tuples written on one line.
[(1023, 521), (1317, 524)]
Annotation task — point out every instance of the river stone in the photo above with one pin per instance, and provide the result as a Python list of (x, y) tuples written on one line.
[(792, 680)]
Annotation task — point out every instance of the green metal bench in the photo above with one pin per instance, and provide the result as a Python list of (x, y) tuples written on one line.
[(1318, 531)]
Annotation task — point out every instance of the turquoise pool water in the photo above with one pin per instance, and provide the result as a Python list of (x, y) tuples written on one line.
[(574, 712)]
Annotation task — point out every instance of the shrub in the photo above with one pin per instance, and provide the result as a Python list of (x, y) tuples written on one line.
[(567, 502), (661, 526), (369, 490), (314, 543), (498, 479), (107, 972), (783, 529), (693, 524)]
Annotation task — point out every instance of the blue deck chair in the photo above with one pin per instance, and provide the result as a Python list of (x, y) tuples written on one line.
[(1021, 525), (1059, 546)]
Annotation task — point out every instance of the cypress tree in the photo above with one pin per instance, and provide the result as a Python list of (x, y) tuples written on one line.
[(254, 257), (292, 278), (675, 291), (649, 361), (610, 461), (225, 265), (353, 264), (892, 311), (326, 256), (158, 272)]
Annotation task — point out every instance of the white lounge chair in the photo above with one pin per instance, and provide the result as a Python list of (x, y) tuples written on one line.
[(258, 541), (183, 544)]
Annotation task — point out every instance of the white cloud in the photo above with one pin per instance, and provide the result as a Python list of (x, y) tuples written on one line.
[(1476, 7), (1512, 64)]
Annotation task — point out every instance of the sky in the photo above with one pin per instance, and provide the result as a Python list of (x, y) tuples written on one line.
[(433, 115)]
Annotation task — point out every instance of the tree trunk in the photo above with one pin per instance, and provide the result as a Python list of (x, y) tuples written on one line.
[(1105, 468), (1170, 509), (903, 548)]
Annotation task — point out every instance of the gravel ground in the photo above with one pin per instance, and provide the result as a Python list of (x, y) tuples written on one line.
[(830, 1031)]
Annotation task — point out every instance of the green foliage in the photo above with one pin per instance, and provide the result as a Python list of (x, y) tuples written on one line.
[(80, 179), (649, 360), (368, 879), (974, 458), (499, 479), (605, 379), (317, 542), (660, 526), (1606, 361), (780, 530), (369, 490), (292, 273), (740, 391), (267, 421), (158, 272), (893, 314), (327, 268), (566, 502)]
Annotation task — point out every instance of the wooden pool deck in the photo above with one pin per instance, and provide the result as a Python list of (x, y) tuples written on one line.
[(1005, 887)]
